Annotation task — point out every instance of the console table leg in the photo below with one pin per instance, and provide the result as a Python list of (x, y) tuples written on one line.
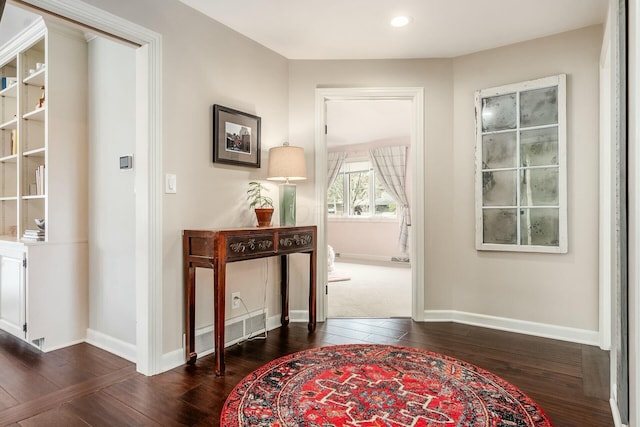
[(284, 289), (219, 290), (312, 291), (190, 278)]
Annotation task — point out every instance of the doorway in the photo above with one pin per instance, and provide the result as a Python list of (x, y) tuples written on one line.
[(326, 100), (369, 270)]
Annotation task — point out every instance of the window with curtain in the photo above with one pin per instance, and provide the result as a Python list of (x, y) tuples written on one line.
[(357, 193)]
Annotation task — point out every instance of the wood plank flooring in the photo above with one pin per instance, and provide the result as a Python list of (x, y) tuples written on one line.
[(82, 385)]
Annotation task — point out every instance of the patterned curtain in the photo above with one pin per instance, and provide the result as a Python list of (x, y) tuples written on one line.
[(334, 163), (390, 165)]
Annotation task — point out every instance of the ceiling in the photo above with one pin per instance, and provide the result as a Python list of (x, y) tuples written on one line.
[(359, 29), (363, 121), (14, 20)]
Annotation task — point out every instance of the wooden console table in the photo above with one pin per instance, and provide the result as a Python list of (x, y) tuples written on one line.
[(215, 248)]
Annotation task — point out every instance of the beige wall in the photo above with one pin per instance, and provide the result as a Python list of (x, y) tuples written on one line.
[(206, 63), (560, 290), (112, 287), (557, 289)]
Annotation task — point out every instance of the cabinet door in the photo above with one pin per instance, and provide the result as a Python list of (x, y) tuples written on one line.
[(12, 292)]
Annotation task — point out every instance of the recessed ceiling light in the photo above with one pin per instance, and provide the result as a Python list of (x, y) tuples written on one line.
[(400, 21)]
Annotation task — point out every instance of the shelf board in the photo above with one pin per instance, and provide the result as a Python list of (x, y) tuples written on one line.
[(8, 238), (36, 79), (38, 152), (10, 91), (37, 114), (8, 199), (9, 159), (39, 196), (12, 124)]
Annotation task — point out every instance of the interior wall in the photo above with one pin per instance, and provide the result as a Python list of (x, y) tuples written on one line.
[(364, 239), (112, 291), (556, 289), (206, 63)]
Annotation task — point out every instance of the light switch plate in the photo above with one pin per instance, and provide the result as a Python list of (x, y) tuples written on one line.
[(170, 183)]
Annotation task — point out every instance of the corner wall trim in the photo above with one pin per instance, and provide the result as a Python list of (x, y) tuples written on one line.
[(545, 330), (112, 345)]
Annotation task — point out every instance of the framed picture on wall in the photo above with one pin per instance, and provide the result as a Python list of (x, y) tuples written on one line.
[(521, 158), (236, 137)]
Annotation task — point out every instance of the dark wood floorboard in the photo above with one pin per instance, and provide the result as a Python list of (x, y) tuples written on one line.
[(84, 386)]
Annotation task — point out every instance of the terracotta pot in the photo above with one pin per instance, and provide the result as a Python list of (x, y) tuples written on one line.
[(264, 216)]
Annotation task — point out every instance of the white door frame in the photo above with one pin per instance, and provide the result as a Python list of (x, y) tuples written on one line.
[(148, 176), (416, 231)]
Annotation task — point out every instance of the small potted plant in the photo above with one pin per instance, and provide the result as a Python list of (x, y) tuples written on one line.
[(263, 205)]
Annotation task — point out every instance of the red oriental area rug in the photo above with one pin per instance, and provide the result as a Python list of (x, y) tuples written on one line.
[(377, 385)]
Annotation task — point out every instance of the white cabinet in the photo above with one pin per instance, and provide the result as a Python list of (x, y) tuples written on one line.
[(43, 175), (12, 290), (41, 297)]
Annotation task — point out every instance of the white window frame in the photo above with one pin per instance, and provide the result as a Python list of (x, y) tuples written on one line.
[(372, 195), (560, 82)]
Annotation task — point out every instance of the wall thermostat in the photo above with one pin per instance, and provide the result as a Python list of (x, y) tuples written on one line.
[(126, 162)]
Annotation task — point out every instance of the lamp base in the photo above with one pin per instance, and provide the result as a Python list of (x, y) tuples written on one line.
[(287, 204)]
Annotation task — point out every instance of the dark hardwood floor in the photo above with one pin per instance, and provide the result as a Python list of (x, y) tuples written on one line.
[(82, 385)]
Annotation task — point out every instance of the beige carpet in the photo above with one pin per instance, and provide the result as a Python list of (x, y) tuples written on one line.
[(371, 291)]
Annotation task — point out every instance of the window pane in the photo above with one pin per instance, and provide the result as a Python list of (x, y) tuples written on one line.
[(539, 147), (499, 112), (385, 204), (499, 226), (335, 196), (539, 227), (539, 107), (357, 166), (359, 193), (539, 187), (499, 188), (499, 150)]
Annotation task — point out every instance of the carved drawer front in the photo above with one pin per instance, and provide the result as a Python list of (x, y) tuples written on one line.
[(244, 246), (294, 241)]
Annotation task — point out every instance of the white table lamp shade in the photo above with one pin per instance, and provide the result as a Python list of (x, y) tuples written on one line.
[(286, 163)]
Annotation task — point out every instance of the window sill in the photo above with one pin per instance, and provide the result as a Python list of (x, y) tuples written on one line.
[(363, 219)]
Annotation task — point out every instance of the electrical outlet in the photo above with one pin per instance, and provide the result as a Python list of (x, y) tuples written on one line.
[(235, 300)]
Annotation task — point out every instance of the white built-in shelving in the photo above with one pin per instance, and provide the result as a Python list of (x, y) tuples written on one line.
[(43, 175)]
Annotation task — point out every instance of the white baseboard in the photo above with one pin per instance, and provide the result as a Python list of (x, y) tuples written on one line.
[(298, 316), (375, 259), (273, 322), (171, 360), (617, 421), (47, 349), (581, 336), (112, 345)]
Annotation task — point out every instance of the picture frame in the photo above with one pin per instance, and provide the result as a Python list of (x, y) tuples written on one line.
[(236, 137)]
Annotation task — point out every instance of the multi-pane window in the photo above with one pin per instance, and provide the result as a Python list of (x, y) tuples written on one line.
[(521, 167), (357, 193)]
